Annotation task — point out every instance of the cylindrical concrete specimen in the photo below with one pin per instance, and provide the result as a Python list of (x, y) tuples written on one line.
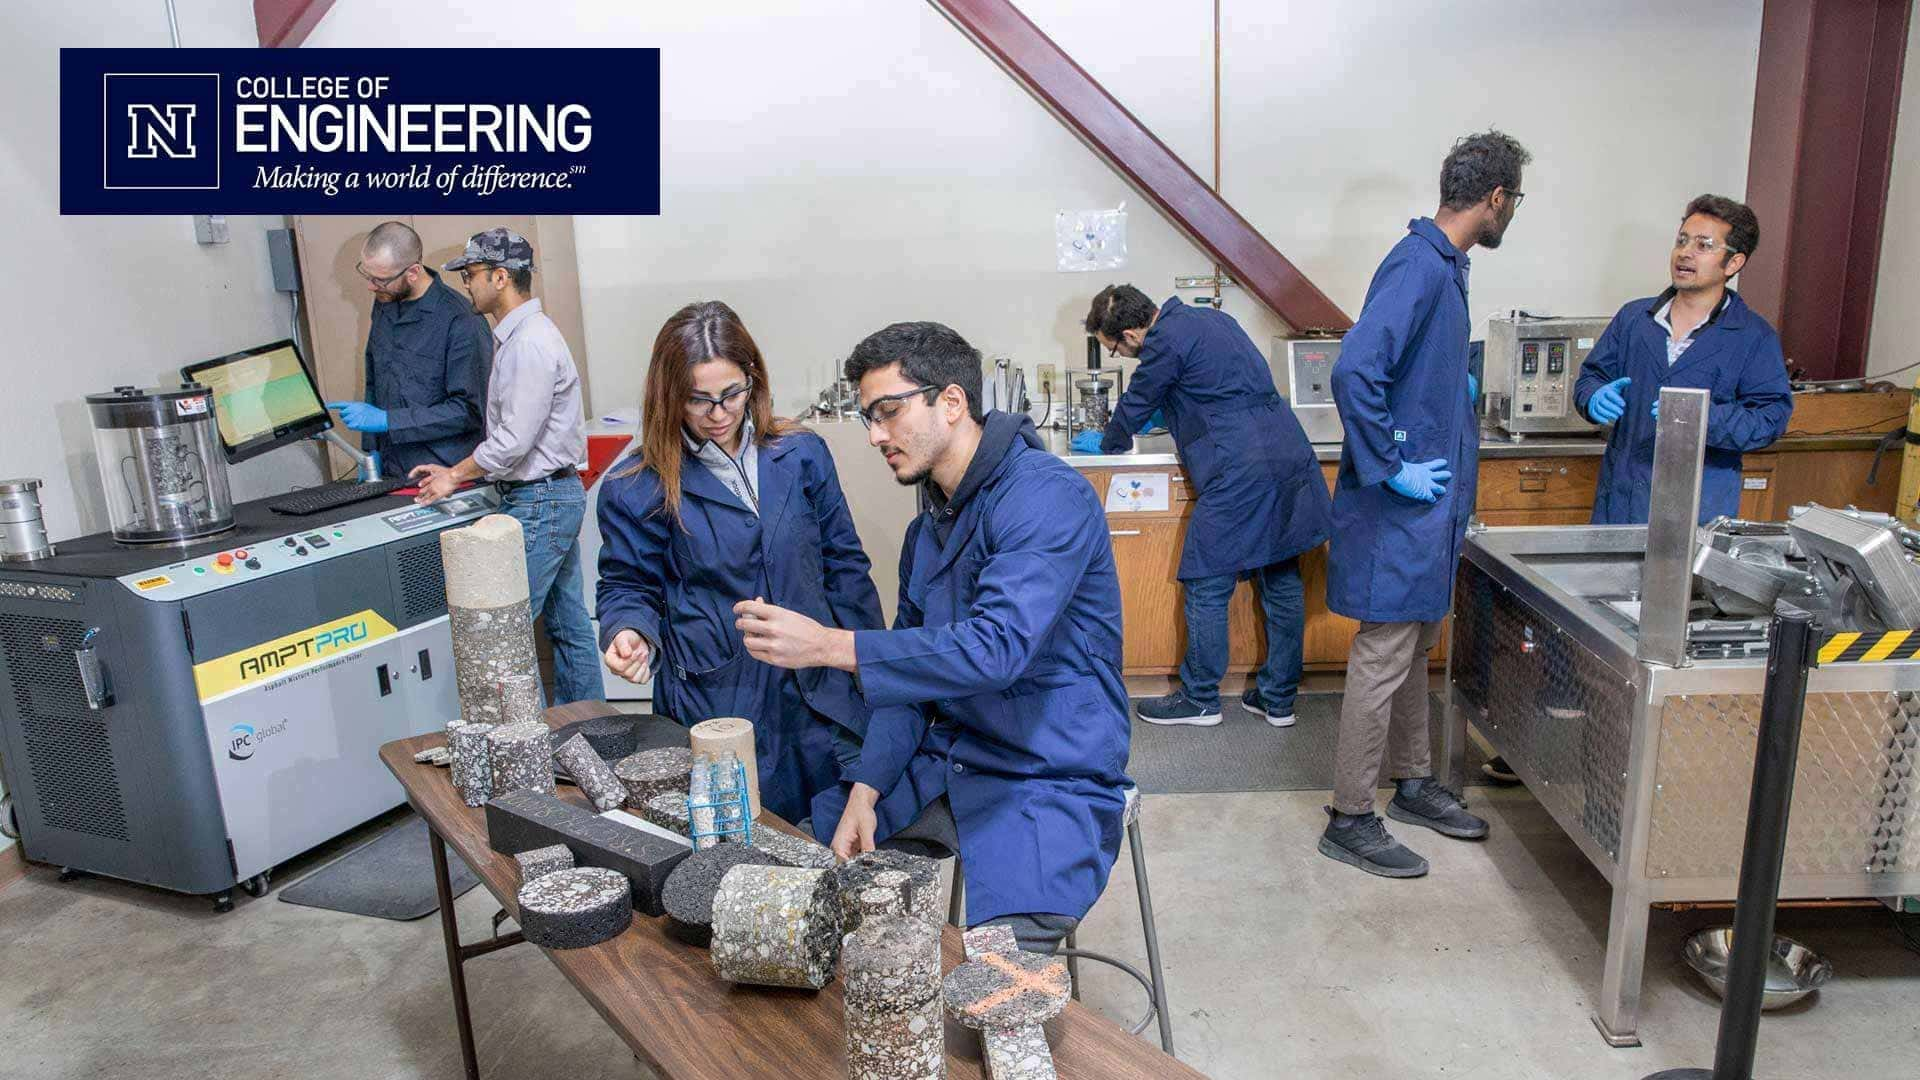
[(776, 926), (892, 970), (593, 775), (794, 850), (472, 777), (858, 873), (520, 758), (543, 860), (521, 698), (669, 811), (492, 624), (1007, 990), (572, 909), (723, 733), (689, 891), (889, 893), (655, 772)]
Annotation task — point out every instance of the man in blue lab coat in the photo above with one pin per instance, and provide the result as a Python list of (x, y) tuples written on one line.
[(1697, 334), (1261, 499), (999, 724), (1401, 504)]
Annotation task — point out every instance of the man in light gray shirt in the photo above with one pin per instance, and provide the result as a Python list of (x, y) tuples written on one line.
[(534, 443)]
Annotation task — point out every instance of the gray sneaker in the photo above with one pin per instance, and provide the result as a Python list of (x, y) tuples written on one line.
[(1177, 708), (1361, 840), (1428, 802)]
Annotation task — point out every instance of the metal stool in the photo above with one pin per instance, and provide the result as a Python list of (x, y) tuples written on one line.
[(1156, 986)]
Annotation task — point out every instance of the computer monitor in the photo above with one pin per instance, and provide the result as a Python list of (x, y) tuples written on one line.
[(263, 397)]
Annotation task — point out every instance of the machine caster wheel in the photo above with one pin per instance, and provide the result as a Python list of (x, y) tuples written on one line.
[(68, 873), (223, 903), (257, 885)]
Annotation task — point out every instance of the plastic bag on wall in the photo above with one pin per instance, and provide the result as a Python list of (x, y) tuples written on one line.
[(1090, 239)]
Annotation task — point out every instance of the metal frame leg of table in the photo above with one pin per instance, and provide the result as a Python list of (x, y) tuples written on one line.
[(458, 954)]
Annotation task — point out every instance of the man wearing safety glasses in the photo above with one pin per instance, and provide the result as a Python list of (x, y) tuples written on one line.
[(1698, 334), (428, 356)]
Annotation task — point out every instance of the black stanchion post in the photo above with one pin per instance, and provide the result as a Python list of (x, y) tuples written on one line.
[(1794, 637)]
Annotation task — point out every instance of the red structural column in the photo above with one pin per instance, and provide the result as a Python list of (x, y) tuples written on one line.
[(284, 24), (1824, 107)]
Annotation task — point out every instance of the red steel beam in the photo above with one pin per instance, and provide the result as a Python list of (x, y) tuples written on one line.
[(1155, 171), (1821, 156), (284, 24)]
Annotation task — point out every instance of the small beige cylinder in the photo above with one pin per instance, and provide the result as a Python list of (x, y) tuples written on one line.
[(722, 733)]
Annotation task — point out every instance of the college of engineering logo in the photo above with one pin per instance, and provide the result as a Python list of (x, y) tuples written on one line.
[(161, 131)]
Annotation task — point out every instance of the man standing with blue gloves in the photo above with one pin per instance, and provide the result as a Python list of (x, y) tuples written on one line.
[(1400, 507), (999, 725), (428, 358), (1698, 333), (1261, 500)]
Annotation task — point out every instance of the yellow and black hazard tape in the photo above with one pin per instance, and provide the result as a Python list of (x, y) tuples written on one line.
[(1853, 647)]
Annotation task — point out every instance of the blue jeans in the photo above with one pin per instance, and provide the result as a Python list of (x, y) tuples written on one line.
[(550, 512), (1283, 599)]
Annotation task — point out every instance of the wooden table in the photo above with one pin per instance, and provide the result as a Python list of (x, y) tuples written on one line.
[(663, 997)]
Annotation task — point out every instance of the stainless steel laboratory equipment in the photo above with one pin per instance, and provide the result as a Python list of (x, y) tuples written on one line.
[(23, 534), (161, 464), (1597, 661), (1530, 368), (1304, 376)]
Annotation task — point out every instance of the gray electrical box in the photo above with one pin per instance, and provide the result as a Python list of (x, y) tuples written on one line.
[(286, 270), (1530, 369), (1304, 374)]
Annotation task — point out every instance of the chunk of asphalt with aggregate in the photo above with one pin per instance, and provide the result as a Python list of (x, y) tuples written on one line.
[(689, 892), (575, 908)]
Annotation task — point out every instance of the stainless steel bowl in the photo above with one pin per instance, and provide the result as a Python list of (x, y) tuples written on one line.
[(1793, 971)]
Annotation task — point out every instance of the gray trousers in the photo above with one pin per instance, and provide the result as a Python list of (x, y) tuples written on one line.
[(1383, 718)]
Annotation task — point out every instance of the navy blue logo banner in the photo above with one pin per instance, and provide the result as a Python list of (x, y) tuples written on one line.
[(352, 131)]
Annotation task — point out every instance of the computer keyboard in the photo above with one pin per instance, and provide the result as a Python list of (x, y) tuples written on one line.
[(328, 496)]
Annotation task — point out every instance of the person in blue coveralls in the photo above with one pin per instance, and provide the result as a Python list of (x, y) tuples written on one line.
[(1401, 504), (999, 724), (724, 502), (1697, 334), (1262, 500)]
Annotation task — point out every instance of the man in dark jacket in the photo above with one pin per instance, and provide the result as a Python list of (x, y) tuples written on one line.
[(428, 358), (1261, 501)]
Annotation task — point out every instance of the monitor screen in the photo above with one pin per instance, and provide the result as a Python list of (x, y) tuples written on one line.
[(263, 398)]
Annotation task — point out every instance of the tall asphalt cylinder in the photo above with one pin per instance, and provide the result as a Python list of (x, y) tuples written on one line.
[(493, 659)]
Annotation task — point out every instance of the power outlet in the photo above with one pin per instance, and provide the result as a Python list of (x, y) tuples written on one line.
[(1044, 374)]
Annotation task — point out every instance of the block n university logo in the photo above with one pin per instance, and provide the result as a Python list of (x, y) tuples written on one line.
[(161, 131)]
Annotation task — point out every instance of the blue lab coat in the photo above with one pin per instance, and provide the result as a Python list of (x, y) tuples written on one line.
[(676, 586), (1401, 387), (1735, 355), (1261, 497), (999, 685)]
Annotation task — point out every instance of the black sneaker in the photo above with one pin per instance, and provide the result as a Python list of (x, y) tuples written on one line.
[(1427, 802), (1361, 840), (1251, 700), (1177, 708), (1498, 771)]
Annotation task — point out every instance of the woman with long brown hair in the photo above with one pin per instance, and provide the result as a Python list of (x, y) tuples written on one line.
[(726, 502)]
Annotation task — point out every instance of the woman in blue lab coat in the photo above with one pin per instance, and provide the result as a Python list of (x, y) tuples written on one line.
[(724, 502)]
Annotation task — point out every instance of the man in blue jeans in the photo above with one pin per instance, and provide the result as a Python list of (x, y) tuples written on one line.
[(535, 440), (1261, 499)]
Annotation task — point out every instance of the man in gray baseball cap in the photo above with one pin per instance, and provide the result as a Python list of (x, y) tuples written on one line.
[(535, 441)]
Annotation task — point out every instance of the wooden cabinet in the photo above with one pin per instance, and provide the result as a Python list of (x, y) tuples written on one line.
[(1146, 554)]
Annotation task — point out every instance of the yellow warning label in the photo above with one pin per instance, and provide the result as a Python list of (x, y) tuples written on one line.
[(282, 655), (145, 584), (1852, 647)]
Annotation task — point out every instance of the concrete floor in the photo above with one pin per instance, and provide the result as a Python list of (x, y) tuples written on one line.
[(1280, 963)]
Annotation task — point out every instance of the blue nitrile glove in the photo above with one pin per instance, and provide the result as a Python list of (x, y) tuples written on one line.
[(1656, 408), (360, 416), (1088, 442), (1607, 403), (1157, 420), (1423, 482), (1473, 387)]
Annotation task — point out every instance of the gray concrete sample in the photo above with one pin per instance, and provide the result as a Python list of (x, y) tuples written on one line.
[(996, 938), (435, 755), (518, 758), (907, 1045), (575, 908), (655, 772), (592, 775), (1007, 990), (858, 873), (793, 850), (688, 895), (889, 892), (489, 616), (1010, 1053), (669, 811), (543, 860), (471, 775), (776, 926), (521, 820), (891, 970)]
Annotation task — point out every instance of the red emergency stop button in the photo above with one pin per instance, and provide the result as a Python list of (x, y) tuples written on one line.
[(223, 559)]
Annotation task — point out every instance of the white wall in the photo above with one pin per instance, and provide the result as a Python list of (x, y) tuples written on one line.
[(103, 301), (1895, 341)]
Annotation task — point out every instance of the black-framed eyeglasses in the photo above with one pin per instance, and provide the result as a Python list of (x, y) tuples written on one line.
[(1516, 196), (731, 401), (467, 272), (383, 282), (882, 410)]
